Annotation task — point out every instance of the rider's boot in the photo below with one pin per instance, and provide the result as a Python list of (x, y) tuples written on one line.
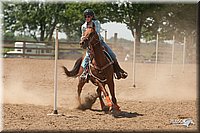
[(83, 73), (120, 73)]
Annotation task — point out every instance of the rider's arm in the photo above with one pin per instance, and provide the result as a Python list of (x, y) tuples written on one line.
[(83, 28), (98, 28)]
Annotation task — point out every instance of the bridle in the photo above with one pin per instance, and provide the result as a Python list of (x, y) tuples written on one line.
[(91, 39)]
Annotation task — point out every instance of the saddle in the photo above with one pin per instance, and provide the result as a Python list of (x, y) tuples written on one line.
[(119, 72), (89, 73)]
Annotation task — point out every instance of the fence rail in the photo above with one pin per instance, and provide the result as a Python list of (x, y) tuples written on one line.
[(27, 51), (72, 50)]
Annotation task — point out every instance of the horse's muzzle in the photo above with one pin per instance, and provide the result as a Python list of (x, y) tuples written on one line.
[(83, 44)]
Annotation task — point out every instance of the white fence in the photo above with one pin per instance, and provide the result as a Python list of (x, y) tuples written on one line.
[(147, 52)]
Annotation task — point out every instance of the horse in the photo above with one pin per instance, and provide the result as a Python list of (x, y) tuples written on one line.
[(100, 70)]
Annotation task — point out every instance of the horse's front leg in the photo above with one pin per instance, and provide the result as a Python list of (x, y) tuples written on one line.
[(80, 86), (102, 88), (111, 87), (103, 106)]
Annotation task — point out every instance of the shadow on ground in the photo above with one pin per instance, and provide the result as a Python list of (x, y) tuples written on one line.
[(121, 114), (125, 114)]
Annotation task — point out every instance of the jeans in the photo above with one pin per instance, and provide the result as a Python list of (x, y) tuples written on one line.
[(87, 56)]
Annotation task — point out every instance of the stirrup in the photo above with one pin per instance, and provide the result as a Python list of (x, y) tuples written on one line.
[(84, 75)]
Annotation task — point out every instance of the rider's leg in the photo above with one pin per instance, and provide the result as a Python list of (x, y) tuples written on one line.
[(84, 65), (120, 73), (109, 50)]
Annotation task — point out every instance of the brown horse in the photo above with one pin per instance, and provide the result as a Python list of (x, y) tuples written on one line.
[(100, 70)]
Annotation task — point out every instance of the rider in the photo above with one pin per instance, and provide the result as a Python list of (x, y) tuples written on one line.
[(89, 19)]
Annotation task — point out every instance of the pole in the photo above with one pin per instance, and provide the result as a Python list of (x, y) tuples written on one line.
[(55, 74), (134, 57), (156, 61), (172, 61), (184, 54), (55, 111)]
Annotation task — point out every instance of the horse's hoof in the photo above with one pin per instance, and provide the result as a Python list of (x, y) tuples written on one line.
[(116, 107), (106, 108)]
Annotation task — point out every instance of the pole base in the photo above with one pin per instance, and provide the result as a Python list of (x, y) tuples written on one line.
[(55, 113), (134, 85)]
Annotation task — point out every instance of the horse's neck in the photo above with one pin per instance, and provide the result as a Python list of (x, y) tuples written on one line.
[(99, 56)]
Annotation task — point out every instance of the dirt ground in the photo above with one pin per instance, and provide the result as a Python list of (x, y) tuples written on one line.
[(155, 102)]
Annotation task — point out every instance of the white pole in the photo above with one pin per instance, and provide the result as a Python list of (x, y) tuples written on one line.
[(134, 57), (55, 74), (172, 61), (156, 62), (184, 54), (55, 111)]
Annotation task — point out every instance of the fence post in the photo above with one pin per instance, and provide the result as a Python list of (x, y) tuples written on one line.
[(105, 36), (172, 60), (23, 49), (183, 67), (115, 37)]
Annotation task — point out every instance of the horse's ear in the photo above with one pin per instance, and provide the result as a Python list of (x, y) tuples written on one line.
[(91, 25)]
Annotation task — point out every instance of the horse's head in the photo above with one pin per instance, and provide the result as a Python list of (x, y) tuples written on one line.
[(89, 35)]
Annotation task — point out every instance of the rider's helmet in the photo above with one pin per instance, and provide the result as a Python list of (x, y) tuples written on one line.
[(88, 12)]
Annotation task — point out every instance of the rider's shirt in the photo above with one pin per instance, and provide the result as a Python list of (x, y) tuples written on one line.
[(97, 28)]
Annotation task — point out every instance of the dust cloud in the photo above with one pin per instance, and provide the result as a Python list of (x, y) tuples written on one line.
[(32, 82), (174, 85), (165, 86), (28, 83), (17, 92)]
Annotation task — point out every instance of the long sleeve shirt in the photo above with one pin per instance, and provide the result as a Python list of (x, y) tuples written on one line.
[(97, 28)]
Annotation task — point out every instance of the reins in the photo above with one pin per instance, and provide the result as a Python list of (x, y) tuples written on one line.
[(91, 40), (102, 68), (90, 71)]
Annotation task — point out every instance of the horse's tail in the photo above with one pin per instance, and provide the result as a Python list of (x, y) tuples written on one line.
[(75, 69)]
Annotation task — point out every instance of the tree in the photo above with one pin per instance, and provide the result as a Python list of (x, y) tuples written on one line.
[(40, 19), (35, 19), (135, 16), (179, 20)]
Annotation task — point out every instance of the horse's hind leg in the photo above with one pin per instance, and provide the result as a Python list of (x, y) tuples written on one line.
[(81, 83)]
